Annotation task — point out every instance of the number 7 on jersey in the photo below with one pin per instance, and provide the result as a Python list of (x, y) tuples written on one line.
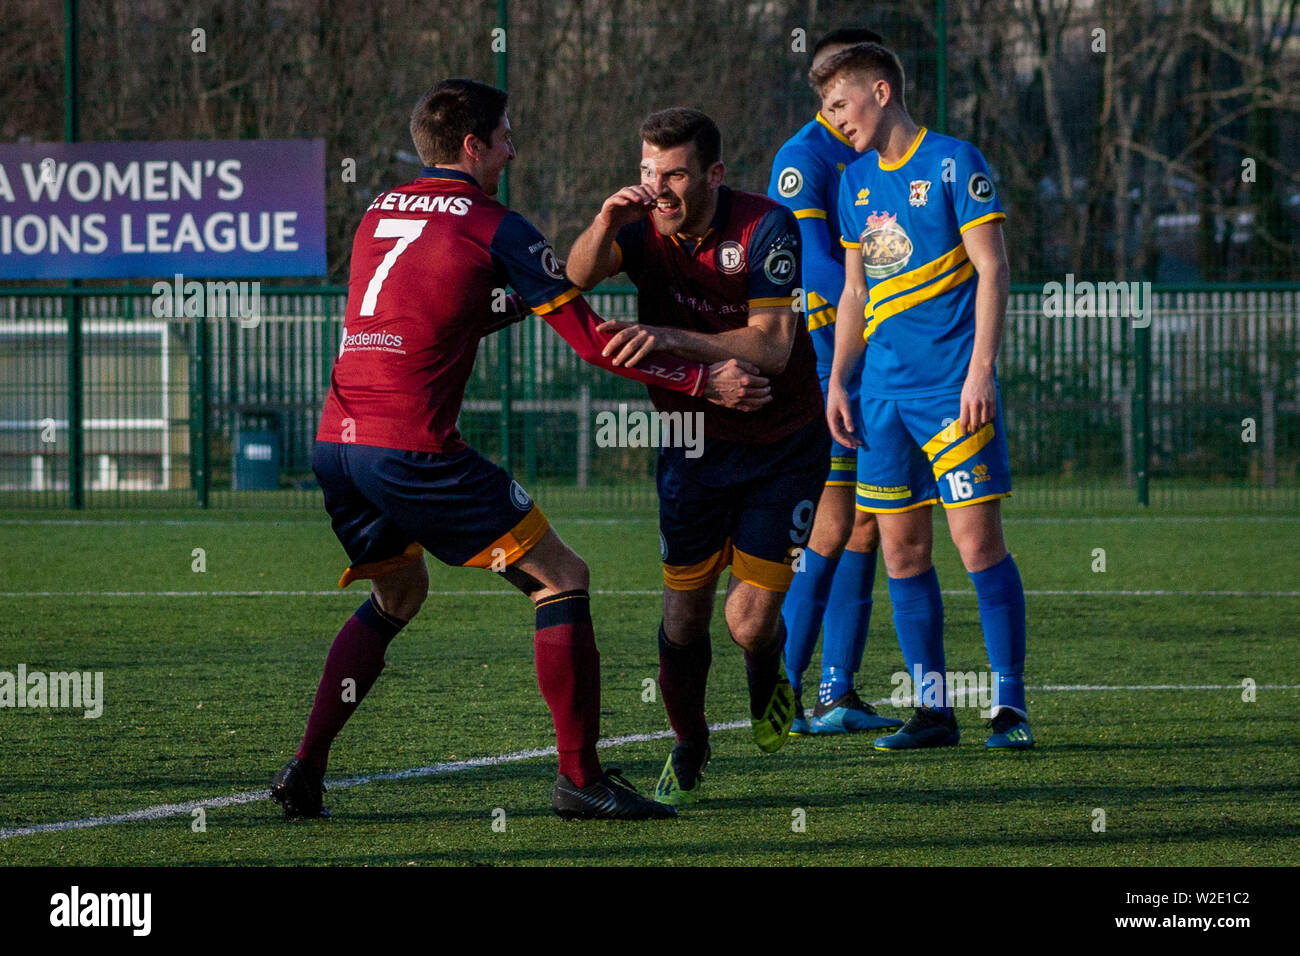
[(405, 231)]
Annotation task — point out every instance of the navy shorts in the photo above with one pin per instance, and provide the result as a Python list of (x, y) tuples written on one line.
[(387, 506), (743, 504)]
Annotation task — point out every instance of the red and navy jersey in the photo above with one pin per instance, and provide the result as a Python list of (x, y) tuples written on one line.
[(428, 262), (748, 259)]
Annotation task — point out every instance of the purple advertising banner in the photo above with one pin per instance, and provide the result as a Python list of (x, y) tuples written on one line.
[(142, 210)]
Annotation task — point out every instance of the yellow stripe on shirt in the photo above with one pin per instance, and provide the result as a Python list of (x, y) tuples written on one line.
[(991, 217), (772, 303), (904, 302), (915, 278), (548, 307)]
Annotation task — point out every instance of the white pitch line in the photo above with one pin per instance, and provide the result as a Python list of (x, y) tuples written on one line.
[(456, 766), (502, 592), (253, 796)]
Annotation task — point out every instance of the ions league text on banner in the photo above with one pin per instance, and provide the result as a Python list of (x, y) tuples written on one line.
[(136, 210)]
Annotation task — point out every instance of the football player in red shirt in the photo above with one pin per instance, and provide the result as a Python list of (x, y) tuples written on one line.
[(428, 262), (717, 274)]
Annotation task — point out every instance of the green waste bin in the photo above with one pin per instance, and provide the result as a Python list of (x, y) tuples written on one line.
[(258, 452)]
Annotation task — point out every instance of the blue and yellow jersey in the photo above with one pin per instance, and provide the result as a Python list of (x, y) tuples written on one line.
[(806, 180), (908, 218)]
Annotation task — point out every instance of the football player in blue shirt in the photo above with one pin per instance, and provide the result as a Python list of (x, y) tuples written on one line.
[(925, 291), (838, 570)]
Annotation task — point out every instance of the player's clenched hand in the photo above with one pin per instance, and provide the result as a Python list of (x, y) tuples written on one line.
[(839, 416), (627, 205), (632, 341), (736, 384), (979, 401)]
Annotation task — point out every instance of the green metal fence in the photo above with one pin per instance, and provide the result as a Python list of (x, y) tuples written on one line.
[(1202, 406)]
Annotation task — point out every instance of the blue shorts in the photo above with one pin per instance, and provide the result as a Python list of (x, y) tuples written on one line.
[(915, 454), (388, 506), (740, 503), (844, 460)]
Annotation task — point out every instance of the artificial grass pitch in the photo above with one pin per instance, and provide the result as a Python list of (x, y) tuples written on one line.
[(208, 679)]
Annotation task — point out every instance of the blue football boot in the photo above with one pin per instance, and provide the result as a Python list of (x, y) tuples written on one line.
[(925, 728), (1010, 731), (848, 713)]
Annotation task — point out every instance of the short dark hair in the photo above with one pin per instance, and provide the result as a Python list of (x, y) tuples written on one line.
[(451, 111), (869, 60), (846, 36), (679, 125)]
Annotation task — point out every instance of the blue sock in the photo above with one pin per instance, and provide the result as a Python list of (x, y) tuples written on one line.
[(848, 617), (1002, 615), (918, 619), (805, 603)]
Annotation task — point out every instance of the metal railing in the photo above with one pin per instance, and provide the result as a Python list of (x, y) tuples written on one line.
[(1100, 411)]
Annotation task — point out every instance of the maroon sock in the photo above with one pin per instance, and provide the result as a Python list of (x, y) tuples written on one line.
[(761, 669), (683, 676), (357, 654), (568, 672)]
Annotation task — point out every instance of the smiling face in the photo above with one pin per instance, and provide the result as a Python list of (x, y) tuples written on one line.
[(686, 192), (493, 156), (856, 105)]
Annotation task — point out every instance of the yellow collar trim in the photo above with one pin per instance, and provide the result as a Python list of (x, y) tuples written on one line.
[(834, 132), (906, 156)]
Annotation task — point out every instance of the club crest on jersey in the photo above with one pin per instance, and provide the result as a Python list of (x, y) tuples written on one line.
[(886, 248), (980, 188), (789, 182), (779, 266), (518, 497), (919, 192), (551, 263), (864, 197), (731, 257)]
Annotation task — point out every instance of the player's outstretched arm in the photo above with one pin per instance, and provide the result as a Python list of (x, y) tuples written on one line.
[(529, 263), (514, 311), (767, 338), (726, 382), (593, 257), (987, 251), (765, 342), (850, 323)]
